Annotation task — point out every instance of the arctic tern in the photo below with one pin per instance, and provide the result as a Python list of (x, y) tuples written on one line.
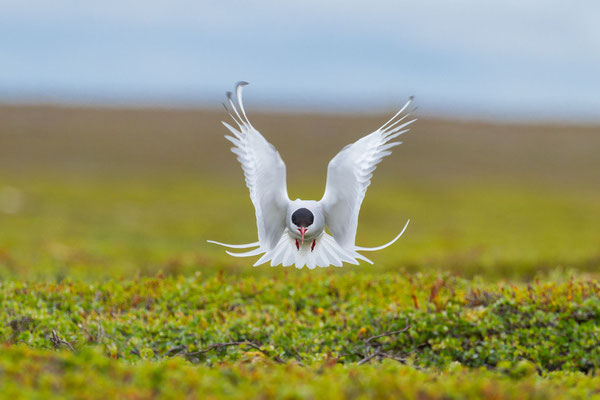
[(293, 232)]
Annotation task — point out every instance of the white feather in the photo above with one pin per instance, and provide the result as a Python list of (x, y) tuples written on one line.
[(264, 173), (348, 176), (236, 246), (383, 246)]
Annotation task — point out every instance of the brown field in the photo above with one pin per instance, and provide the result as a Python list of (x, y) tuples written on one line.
[(47, 139)]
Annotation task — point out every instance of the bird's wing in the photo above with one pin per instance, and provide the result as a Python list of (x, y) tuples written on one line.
[(349, 174), (264, 171)]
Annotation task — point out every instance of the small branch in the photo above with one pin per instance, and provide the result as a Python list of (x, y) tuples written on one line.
[(366, 359), (368, 355), (88, 333), (298, 357), (176, 350), (213, 347), (99, 333), (391, 356), (91, 338), (391, 333), (57, 341), (396, 358), (255, 346)]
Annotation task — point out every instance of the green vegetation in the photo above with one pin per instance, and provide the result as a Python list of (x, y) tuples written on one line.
[(108, 288), (92, 375), (314, 317), (301, 335)]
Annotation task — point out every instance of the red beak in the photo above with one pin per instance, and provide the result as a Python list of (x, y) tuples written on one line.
[(302, 233)]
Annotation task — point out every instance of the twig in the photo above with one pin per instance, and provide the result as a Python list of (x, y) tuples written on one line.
[(368, 355), (57, 341), (400, 360), (212, 347), (176, 350), (371, 349), (87, 331), (257, 347), (366, 359), (299, 358), (391, 356), (99, 333), (391, 333), (91, 338)]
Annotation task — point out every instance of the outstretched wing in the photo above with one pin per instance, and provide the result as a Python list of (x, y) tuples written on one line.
[(264, 171), (349, 174)]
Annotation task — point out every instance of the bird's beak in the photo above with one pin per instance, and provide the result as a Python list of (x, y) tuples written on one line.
[(302, 233)]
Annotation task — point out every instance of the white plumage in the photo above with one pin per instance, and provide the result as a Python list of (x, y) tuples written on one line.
[(293, 232)]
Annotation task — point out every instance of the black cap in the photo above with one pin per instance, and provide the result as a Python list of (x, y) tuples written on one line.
[(302, 217)]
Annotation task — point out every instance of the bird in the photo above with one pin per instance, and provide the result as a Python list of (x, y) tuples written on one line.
[(294, 232)]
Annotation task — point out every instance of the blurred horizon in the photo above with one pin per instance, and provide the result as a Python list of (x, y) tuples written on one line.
[(503, 61)]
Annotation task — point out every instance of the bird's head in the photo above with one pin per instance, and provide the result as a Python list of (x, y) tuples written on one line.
[(302, 218), (305, 220)]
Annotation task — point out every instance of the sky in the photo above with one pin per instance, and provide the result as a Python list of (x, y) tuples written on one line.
[(508, 60)]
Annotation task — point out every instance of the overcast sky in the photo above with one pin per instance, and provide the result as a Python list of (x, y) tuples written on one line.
[(505, 59)]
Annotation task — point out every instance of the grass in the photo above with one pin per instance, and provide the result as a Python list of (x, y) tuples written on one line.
[(84, 228), (110, 289)]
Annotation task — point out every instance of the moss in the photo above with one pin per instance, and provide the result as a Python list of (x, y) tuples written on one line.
[(427, 320)]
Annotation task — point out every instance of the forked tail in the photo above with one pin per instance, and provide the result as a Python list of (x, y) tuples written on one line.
[(326, 252)]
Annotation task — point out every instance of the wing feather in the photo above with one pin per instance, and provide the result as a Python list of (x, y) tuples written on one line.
[(264, 173), (349, 175)]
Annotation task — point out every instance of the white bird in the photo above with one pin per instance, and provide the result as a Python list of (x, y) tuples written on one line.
[(293, 232)]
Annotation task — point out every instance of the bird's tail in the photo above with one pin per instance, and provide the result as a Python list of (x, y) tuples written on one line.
[(324, 253), (358, 248), (235, 246)]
